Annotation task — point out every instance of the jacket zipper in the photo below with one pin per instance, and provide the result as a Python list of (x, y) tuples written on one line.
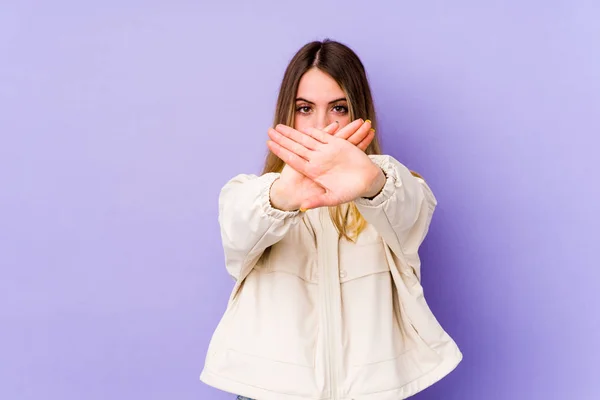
[(330, 320)]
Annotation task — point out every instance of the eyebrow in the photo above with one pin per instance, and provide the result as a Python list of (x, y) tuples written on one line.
[(331, 102)]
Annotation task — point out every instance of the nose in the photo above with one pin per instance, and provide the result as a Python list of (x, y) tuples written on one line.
[(323, 120)]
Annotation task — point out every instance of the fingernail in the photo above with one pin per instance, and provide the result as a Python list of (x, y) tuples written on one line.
[(369, 121), (303, 210), (372, 130)]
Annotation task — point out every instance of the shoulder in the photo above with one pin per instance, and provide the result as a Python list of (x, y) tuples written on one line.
[(247, 178), (386, 161)]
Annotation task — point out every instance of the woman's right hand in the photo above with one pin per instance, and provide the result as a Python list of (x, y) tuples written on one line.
[(292, 188)]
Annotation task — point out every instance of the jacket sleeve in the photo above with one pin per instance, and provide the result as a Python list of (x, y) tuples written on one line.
[(248, 222), (402, 212)]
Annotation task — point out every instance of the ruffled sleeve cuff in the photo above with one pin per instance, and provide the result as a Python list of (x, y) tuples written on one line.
[(392, 181)]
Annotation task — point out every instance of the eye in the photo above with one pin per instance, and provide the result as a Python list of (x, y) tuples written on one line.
[(340, 109), (303, 109)]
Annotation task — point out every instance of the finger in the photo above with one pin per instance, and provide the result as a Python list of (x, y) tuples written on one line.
[(288, 157), (297, 136), (332, 128), (310, 203), (349, 129), (324, 200), (288, 144), (361, 133), (367, 140), (318, 135)]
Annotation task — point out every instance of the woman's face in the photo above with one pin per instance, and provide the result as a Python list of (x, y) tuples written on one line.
[(320, 101)]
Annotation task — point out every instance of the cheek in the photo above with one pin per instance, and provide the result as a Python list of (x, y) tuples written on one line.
[(343, 120), (301, 122)]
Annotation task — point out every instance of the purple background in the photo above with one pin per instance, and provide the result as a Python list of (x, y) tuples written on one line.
[(121, 120)]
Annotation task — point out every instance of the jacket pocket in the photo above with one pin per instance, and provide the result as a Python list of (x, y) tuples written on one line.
[(363, 258), (275, 315), (384, 375), (274, 376), (283, 260), (295, 255), (372, 333)]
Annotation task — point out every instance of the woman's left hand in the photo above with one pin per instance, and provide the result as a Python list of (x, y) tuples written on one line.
[(340, 167)]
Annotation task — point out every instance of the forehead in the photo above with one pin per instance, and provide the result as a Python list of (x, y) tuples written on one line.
[(317, 86)]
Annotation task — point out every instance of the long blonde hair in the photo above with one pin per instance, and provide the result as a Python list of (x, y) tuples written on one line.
[(344, 66)]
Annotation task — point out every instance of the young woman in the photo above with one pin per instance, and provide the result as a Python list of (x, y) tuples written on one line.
[(323, 247)]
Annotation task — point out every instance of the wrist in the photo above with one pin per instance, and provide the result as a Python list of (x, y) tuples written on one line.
[(376, 186), (279, 199)]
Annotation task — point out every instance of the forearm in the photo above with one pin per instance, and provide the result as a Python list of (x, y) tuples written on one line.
[(280, 198), (402, 211), (249, 224)]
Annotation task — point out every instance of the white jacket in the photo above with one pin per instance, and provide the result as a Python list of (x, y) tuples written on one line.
[(314, 317)]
